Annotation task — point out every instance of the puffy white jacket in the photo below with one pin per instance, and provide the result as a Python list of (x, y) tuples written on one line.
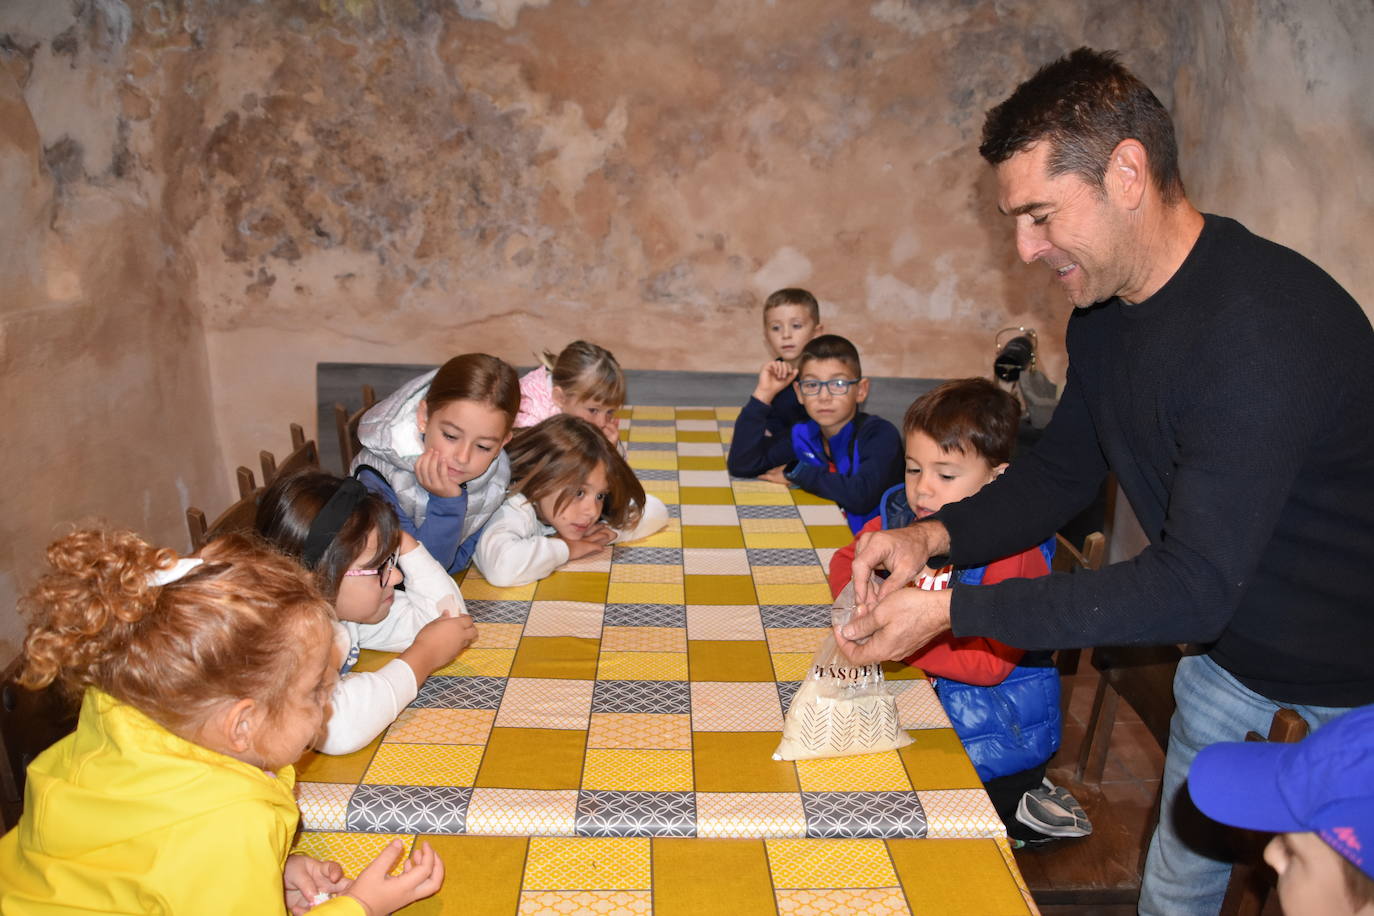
[(390, 436)]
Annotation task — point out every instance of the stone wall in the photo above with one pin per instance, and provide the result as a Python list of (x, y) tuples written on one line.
[(213, 197), (104, 389)]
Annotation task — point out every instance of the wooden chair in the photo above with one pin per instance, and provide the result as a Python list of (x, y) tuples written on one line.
[(1251, 878), (1144, 677), (30, 722), (347, 426), (304, 454), (238, 517), (1068, 559)]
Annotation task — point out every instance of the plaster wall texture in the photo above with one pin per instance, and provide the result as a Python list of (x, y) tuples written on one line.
[(106, 406), (212, 198)]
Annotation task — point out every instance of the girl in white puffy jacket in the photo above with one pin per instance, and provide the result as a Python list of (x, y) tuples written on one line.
[(349, 538), (571, 494), (433, 449)]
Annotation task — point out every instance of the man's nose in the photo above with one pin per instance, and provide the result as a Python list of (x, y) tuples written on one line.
[(1030, 242)]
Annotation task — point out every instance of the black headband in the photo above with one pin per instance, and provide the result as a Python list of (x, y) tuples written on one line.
[(325, 528)]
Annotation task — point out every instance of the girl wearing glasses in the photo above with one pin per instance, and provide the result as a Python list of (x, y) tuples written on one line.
[(351, 540)]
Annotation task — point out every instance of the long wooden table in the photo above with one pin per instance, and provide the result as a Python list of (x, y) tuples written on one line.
[(606, 744)]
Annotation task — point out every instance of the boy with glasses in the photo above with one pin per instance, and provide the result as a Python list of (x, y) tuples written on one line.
[(839, 452)]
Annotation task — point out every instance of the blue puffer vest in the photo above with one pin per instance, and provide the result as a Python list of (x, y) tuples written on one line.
[(1011, 726)]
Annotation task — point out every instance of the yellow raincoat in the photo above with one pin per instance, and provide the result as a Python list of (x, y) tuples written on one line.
[(122, 816)]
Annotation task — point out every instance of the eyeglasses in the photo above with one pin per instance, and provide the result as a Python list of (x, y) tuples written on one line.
[(838, 386), (383, 572)]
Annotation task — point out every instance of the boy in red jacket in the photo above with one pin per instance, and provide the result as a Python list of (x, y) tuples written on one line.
[(1002, 702)]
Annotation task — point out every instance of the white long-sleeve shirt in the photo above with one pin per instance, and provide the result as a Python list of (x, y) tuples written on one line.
[(516, 547), (365, 702)]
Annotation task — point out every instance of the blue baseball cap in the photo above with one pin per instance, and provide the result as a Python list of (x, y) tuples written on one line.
[(1323, 784)]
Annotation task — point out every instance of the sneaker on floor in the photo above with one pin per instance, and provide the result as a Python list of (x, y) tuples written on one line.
[(1051, 810)]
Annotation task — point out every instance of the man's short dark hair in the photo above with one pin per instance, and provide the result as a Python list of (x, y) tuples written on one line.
[(1084, 105), (831, 346), (793, 295)]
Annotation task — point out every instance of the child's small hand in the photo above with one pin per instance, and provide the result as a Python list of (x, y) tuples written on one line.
[(439, 643), (305, 879), (381, 893), (434, 477), (612, 427), (775, 475), (774, 376), (596, 538)]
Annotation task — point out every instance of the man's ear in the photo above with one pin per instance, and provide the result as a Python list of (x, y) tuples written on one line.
[(1128, 173), (422, 416)]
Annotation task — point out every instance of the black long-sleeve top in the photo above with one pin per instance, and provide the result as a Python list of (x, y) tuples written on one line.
[(879, 448), (1236, 407)]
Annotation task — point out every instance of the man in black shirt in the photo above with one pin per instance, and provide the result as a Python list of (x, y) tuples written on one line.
[(1229, 384)]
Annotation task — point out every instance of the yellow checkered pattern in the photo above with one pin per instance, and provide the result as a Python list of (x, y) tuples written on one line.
[(733, 549)]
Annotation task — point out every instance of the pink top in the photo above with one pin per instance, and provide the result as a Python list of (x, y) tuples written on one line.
[(536, 398)]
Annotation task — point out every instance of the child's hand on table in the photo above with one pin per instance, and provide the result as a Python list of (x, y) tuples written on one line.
[(434, 477), (306, 879), (596, 538), (439, 643), (773, 377), (775, 475), (381, 893)]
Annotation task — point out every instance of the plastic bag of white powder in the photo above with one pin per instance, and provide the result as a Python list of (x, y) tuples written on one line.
[(841, 708)]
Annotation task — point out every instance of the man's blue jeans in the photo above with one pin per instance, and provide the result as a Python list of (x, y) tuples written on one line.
[(1187, 869)]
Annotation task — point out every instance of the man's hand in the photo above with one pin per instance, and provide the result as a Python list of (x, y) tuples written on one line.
[(305, 878), (775, 475), (901, 551), (901, 623), (775, 375), (433, 476)]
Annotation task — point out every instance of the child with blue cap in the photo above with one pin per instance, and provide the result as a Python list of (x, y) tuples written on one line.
[(1317, 795)]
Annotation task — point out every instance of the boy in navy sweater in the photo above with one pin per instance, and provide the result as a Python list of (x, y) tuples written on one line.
[(838, 452)]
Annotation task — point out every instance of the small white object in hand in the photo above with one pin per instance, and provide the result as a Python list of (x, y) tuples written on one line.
[(321, 897)]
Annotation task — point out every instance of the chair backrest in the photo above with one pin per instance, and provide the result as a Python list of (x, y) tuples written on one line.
[(1067, 559), (1144, 678), (1251, 882), (30, 722), (240, 516), (304, 454), (244, 478), (346, 425)]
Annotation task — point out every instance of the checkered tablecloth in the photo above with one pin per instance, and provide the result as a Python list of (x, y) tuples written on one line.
[(640, 693), (505, 876)]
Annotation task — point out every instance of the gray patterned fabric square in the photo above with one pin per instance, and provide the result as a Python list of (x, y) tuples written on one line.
[(638, 422), (674, 511), (643, 696), (786, 691), (486, 611), (777, 556), (782, 616), (409, 809), (612, 813), (655, 474), (647, 615), (768, 512), (443, 692), (646, 446), (669, 555), (863, 814)]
